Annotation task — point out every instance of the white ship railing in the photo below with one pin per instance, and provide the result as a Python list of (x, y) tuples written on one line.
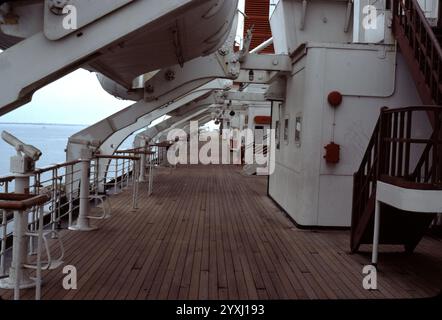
[(4, 187), (63, 205)]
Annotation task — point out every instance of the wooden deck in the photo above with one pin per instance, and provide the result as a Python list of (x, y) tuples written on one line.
[(207, 232)]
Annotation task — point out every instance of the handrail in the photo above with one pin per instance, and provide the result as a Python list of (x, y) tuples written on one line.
[(137, 152), (58, 195), (396, 141), (56, 166), (420, 47), (144, 152), (250, 145), (389, 154), (42, 170), (164, 144), (116, 157), (129, 150), (412, 108), (414, 4), (22, 201), (7, 179), (64, 202), (371, 145), (52, 180)]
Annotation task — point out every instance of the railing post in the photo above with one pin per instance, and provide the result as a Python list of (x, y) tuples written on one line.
[(151, 166), (54, 199), (71, 198), (116, 177), (135, 185), (3, 247), (143, 166), (39, 245), (18, 276), (123, 174), (33, 224), (128, 173), (436, 148), (83, 217), (438, 116)]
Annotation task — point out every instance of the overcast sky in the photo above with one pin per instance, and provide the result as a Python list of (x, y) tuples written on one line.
[(74, 99)]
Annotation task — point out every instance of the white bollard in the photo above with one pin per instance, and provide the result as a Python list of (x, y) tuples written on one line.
[(83, 221)]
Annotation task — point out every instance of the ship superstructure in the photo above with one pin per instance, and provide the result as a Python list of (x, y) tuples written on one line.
[(328, 118)]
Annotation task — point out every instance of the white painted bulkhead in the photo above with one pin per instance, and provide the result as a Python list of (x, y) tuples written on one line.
[(369, 76), (311, 191)]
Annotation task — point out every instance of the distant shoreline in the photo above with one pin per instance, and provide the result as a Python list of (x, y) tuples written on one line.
[(46, 124)]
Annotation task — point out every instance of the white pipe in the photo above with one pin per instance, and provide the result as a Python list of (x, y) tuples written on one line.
[(71, 197), (150, 174), (377, 222), (115, 177), (39, 244), (143, 162), (262, 46), (348, 16), (303, 14), (135, 184), (3, 248), (17, 252), (356, 21)]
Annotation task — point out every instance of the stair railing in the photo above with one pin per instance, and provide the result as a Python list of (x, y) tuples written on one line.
[(428, 169), (391, 153), (413, 29), (364, 180), (400, 143)]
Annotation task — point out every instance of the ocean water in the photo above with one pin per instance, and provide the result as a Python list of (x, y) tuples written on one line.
[(51, 139)]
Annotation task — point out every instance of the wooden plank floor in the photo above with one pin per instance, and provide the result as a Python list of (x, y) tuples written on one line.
[(207, 232)]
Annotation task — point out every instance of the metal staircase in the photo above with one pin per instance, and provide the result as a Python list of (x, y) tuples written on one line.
[(390, 157), (420, 43)]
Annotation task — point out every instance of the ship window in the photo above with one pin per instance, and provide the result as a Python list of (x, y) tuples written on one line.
[(298, 128), (277, 134), (286, 130)]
